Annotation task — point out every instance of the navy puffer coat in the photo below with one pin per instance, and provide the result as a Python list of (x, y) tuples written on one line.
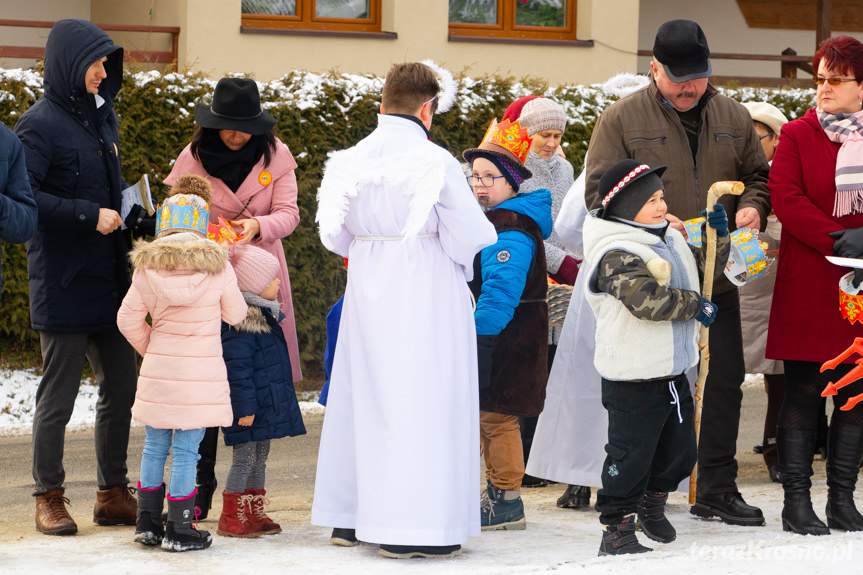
[(259, 371), (78, 276)]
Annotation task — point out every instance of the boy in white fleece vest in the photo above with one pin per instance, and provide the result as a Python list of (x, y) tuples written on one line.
[(644, 288)]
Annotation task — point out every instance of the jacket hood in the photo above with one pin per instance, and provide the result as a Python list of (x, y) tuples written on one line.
[(599, 234), (535, 205), (72, 46), (179, 267)]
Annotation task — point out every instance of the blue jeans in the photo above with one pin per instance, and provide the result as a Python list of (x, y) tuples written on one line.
[(184, 445)]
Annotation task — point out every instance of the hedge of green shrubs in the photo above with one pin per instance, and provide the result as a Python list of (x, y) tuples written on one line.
[(316, 114)]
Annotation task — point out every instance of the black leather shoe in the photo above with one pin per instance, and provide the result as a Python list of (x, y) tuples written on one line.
[(426, 551), (729, 507), (575, 497), (775, 475), (531, 481), (344, 537)]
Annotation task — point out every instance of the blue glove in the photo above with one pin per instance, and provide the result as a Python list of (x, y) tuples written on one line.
[(717, 220), (707, 314)]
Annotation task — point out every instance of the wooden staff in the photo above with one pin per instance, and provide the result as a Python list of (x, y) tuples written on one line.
[(716, 190)]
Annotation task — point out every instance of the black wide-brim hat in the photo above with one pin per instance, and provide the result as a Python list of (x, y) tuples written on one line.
[(499, 153), (681, 47), (236, 106), (624, 176)]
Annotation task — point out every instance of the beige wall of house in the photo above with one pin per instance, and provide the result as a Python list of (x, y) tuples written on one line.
[(211, 42), (42, 10)]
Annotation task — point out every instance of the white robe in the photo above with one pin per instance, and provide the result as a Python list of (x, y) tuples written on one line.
[(399, 453), (572, 430)]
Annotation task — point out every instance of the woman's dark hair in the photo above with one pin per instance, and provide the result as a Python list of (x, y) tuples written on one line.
[(842, 54), (209, 137)]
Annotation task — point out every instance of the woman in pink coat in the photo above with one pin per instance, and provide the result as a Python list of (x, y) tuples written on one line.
[(816, 186), (184, 282), (254, 187)]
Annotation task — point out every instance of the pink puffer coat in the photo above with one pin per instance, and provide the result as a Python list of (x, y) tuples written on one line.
[(188, 288)]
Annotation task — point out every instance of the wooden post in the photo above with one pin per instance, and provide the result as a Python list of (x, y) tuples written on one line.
[(789, 69), (824, 22)]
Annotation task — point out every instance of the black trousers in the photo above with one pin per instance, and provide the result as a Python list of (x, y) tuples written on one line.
[(651, 445), (720, 414), (114, 364), (207, 449)]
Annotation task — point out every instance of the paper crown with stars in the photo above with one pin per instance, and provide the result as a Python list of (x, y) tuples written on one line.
[(183, 213)]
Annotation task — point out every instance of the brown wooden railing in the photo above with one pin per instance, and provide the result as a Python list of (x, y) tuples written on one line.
[(148, 56), (789, 61)]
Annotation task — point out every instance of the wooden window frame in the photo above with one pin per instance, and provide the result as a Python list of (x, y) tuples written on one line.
[(507, 30), (305, 19)]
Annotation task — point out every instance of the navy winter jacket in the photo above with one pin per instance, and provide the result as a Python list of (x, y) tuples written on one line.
[(78, 276), (17, 206), (259, 372)]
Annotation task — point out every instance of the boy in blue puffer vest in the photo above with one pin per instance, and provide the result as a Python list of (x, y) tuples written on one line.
[(644, 288), (511, 315), (262, 393)]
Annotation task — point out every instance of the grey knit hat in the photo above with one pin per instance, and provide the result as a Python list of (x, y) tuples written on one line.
[(542, 114)]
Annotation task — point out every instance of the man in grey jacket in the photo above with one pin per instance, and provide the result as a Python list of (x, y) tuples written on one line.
[(681, 121)]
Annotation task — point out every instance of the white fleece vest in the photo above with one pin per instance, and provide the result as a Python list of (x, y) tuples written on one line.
[(629, 348)]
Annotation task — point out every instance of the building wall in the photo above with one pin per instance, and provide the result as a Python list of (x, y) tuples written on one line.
[(211, 42), (43, 10), (726, 31)]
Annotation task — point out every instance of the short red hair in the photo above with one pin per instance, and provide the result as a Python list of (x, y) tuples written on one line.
[(842, 54)]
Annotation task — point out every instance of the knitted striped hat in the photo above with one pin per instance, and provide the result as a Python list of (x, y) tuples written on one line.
[(542, 114), (255, 267)]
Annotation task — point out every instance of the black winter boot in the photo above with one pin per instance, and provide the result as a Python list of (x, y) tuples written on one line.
[(844, 447), (795, 448), (148, 528), (620, 539), (204, 498), (180, 535), (651, 517), (205, 480)]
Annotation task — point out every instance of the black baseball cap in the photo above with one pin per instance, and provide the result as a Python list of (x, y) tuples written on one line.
[(681, 47)]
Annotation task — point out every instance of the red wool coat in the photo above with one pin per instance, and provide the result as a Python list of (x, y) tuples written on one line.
[(805, 321)]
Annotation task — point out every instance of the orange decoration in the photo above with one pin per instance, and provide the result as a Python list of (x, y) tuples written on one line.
[(509, 135)]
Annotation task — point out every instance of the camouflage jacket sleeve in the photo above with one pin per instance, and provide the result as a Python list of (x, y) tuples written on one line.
[(723, 250), (625, 276)]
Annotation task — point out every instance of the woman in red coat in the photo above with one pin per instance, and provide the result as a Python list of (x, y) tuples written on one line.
[(816, 185)]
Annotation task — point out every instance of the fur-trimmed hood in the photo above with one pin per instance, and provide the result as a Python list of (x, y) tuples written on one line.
[(179, 267), (255, 321)]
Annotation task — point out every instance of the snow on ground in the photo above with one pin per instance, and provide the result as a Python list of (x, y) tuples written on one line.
[(18, 399), (556, 540)]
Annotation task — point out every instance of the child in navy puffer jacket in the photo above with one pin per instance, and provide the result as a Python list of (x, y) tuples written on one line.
[(262, 393)]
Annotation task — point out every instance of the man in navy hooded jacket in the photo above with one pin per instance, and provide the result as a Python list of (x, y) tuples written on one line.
[(77, 268)]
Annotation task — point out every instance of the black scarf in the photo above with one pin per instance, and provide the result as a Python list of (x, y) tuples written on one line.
[(229, 166)]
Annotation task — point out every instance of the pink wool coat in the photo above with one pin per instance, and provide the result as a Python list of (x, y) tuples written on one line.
[(805, 322), (268, 195), (186, 285)]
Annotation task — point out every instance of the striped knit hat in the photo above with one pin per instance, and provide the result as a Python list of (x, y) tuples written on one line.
[(542, 114)]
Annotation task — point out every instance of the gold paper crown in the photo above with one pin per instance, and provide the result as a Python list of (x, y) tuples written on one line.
[(510, 136), (183, 212)]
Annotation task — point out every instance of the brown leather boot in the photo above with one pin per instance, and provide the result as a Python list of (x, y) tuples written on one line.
[(51, 515), (115, 506)]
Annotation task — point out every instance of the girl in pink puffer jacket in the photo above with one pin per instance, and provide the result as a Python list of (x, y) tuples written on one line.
[(185, 283)]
